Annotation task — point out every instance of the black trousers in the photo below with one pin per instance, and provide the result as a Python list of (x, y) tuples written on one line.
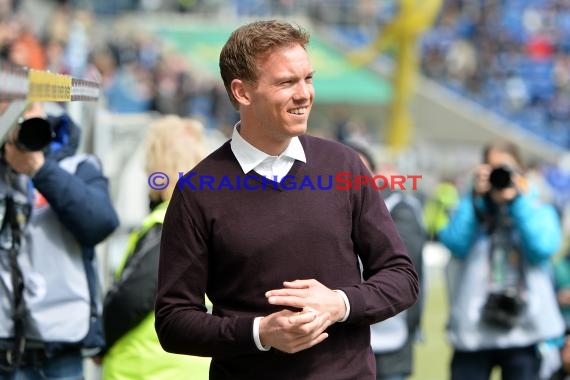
[(516, 364)]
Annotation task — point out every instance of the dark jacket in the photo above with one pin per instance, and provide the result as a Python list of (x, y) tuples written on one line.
[(407, 217), (81, 201), (132, 297)]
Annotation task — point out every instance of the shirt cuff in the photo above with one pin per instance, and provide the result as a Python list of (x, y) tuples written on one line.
[(256, 335), (346, 304)]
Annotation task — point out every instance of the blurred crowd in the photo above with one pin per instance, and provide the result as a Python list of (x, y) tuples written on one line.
[(136, 71), (512, 57)]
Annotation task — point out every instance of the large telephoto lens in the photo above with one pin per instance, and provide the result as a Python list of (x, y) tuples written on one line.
[(34, 134), (500, 178)]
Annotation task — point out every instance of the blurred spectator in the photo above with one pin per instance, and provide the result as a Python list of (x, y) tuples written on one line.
[(173, 146), (26, 50), (393, 339), (564, 372), (562, 285), (438, 207), (502, 300), (55, 60), (174, 87)]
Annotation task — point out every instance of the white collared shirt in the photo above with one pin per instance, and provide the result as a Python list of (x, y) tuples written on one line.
[(272, 167)]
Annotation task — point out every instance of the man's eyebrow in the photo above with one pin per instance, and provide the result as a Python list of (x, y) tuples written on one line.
[(286, 78)]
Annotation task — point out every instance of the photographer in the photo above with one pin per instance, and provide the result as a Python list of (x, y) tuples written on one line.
[(48, 309), (502, 300)]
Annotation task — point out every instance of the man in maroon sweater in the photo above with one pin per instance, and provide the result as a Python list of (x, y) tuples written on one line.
[(261, 229)]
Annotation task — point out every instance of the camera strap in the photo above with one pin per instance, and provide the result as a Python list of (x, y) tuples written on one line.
[(15, 212), (12, 226), (505, 260)]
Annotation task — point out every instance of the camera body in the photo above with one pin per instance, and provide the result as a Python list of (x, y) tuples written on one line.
[(503, 309), (501, 178)]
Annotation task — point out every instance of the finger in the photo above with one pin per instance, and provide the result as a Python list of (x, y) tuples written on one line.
[(482, 177), (299, 284), (289, 301), (482, 188), (312, 328), (302, 318), (509, 194), (287, 292), (323, 322), (9, 147), (484, 168)]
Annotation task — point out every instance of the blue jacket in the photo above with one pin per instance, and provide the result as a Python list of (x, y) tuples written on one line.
[(537, 223)]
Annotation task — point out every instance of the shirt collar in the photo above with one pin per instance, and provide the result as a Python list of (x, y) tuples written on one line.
[(249, 157)]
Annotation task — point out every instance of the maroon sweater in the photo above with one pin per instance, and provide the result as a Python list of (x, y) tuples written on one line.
[(234, 245)]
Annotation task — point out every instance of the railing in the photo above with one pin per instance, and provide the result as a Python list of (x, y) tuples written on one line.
[(20, 86)]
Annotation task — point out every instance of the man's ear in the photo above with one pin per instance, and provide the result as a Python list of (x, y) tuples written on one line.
[(240, 91)]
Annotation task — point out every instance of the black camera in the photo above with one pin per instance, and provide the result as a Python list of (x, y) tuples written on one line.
[(504, 309), (33, 134), (501, 178)]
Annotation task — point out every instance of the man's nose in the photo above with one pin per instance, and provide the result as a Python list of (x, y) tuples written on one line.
[(303, 91)]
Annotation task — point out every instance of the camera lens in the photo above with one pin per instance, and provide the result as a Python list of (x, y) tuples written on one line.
[(500, 178), (34, 134)]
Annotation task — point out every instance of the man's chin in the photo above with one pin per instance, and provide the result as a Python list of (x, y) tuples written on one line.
[(298, 130)]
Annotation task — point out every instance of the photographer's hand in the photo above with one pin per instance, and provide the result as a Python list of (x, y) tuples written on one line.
[(23, 162), (563, 296), (481, 184), (506, 195)]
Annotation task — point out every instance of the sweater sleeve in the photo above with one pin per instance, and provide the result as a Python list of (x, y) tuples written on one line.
[(390, 282), (182, 323)]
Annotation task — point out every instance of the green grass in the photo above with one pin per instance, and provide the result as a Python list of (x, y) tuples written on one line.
[(433, 353)]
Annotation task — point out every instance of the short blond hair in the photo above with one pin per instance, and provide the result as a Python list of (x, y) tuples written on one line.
[(173, 145)]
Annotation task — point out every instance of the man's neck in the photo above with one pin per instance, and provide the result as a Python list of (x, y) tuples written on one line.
[(271, 147)]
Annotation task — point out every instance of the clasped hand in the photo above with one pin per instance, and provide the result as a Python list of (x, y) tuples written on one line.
[(291, 331)]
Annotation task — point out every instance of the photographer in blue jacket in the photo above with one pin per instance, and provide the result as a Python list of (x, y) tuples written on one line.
[(502, 302)]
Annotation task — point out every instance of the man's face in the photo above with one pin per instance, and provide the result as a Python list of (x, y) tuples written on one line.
[(498, 158), (283, 95)]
